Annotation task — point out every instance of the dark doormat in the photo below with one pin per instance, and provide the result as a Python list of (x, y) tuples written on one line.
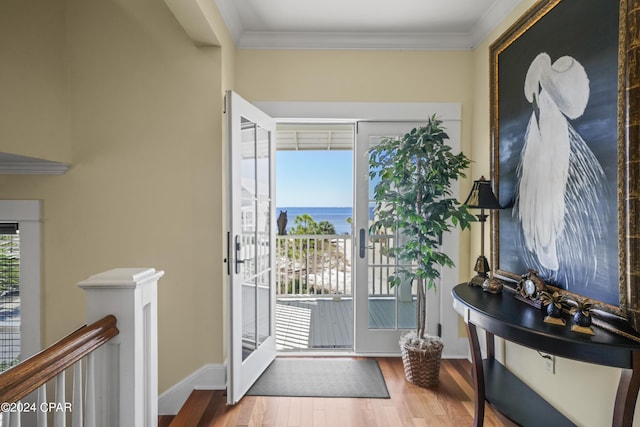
[(329, 377)]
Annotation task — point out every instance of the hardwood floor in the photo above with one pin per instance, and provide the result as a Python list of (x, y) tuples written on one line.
[(448, 404)]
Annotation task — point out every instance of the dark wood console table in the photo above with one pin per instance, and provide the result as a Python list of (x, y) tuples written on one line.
[(503, 316)]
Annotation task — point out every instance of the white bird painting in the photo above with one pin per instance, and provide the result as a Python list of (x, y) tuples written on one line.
[(559, 201)]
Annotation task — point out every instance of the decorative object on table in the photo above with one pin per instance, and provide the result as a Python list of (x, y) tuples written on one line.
[(414, 200), (530, 288), (492, 285), (481, 197), (582, 317), (554, 303)]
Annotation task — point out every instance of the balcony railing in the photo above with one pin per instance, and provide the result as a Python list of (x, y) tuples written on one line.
[(313, 264), (321, 264)]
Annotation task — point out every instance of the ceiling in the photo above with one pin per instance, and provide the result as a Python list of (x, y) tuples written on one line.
[(362, 24)]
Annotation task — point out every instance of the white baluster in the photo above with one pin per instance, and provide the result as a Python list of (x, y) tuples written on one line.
[(76, 400), (59, 416), (90, 396), (14, 419), (42, 403)]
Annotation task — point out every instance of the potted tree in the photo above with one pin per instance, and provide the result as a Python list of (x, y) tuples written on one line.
[(414, 199)]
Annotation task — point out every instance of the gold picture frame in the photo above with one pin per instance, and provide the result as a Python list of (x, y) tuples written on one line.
[(562, 33)]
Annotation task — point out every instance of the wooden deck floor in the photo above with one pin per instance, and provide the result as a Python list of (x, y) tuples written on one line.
[(326, 323)]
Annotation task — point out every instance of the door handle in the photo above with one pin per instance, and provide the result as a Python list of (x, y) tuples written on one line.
[(237, 245), (363, 248)]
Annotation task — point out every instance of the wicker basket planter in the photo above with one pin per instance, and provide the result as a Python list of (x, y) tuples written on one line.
[(421, 359)]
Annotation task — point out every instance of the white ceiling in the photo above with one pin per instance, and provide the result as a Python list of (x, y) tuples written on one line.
[(362, 24)]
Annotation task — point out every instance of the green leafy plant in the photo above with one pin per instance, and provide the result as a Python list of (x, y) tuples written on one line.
[(414, 197)]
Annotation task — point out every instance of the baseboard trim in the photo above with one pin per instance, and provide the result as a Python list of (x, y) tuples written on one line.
[(209, 377)]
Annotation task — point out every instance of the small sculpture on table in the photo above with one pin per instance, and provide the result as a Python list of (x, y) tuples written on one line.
[(530, 288), (582, 317), (554, 303), (492, 285)]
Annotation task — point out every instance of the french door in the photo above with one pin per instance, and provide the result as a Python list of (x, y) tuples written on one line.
[(382, 312), (387, 119), (250, 244)]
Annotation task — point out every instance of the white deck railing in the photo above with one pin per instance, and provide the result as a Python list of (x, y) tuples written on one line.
[(118, 384), (312, 264), (321, 264)]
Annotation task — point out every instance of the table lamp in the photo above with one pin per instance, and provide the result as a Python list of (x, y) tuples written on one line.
[(481, 197)]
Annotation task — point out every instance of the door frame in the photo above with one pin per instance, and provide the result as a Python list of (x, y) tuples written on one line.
[(456, 345)]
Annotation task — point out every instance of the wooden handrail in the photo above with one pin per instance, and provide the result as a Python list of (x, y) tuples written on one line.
[(22, 379)]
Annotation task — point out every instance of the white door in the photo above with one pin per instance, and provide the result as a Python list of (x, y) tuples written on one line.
[(250, 246), (382, 312)]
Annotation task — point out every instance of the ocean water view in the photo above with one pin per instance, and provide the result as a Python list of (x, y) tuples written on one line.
[(335, 215)]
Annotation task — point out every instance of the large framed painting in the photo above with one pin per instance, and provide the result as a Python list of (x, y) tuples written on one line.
[(565, 151)]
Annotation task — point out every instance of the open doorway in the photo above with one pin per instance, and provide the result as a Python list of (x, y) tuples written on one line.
[(357, 114), (314, 206)]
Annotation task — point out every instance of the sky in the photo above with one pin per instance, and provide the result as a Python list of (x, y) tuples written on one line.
[(314, 178)]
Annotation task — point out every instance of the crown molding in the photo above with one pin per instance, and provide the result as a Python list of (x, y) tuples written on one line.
[(229, 12), (367, 41), (195, 21), (490, 20), (247, 39), (35, 168), (14, 164)]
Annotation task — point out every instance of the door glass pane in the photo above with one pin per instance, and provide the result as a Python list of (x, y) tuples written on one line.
[(390, 307), (247, 244), (263, 232), (256, 236)]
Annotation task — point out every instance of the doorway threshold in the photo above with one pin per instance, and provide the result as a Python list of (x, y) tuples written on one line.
[(317, 353)]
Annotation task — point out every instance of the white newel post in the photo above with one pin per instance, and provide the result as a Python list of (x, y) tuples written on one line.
[(126, 369)]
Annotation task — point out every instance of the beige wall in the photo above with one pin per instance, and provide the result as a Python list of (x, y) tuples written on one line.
[(34, 119), (145, 188)]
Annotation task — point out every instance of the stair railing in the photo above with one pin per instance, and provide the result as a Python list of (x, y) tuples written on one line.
[(121, 373), (35, 372)]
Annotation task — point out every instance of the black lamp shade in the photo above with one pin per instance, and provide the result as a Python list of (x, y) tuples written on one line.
[(481, 196)]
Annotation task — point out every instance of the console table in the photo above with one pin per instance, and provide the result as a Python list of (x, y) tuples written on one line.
[(503, 316)]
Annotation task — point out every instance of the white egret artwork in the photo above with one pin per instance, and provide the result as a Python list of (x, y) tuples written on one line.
[(558, 147), (561, 187)]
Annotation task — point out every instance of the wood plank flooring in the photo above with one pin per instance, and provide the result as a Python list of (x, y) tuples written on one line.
[(448, 404)]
